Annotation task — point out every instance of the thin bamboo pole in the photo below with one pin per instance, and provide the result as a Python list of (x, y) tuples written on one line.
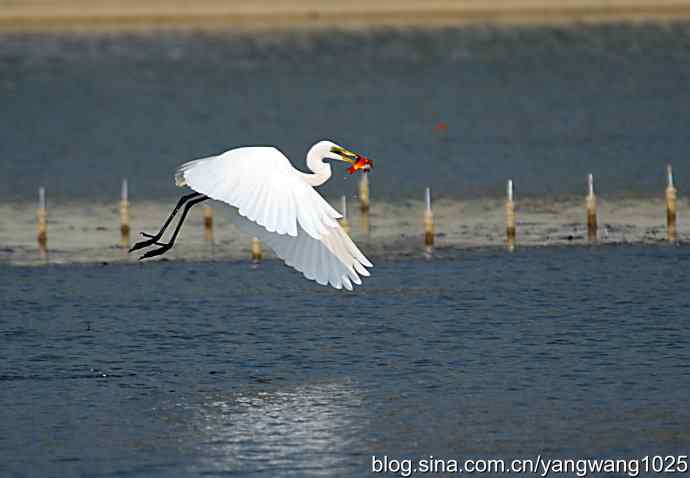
[(344, 223), (591, 210), (364, 203), (208, 223), (364, 193), (510, 216), (428, 221), (257, 255), (671, 199), (42, 220), (124, 215)]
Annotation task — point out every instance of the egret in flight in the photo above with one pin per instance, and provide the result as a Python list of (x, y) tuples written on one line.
[(278, 204)]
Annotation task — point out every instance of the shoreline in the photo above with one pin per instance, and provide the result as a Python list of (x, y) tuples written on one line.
[(128, 16), (79, 233)]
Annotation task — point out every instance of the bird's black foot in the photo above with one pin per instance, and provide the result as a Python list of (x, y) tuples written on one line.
[(157, 252), (190, 200), (152, 241)]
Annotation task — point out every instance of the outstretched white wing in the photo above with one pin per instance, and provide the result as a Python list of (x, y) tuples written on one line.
[(276, 205)]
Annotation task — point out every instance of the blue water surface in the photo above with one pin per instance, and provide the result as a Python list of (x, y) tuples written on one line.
[(458, 109), (228, 369)]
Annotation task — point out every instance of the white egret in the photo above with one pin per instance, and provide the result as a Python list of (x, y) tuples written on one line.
[(278, 204)]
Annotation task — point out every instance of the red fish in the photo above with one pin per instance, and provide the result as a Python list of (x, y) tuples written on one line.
[(363, 163)]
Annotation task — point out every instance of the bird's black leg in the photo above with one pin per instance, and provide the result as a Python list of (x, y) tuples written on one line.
[(153, 239), (166, 247)]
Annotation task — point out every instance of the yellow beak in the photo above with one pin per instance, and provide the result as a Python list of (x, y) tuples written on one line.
[(346, 155)]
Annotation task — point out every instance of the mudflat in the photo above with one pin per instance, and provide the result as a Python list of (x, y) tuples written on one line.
[(51, 15)]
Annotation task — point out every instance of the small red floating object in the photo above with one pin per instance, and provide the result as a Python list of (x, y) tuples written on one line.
[(441, 127), (363, 163)]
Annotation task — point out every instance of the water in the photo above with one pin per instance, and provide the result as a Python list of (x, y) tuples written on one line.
[(207, 365), (542, 105), (186, 369)]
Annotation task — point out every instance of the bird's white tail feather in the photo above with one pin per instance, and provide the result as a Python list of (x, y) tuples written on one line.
[(180, 180)]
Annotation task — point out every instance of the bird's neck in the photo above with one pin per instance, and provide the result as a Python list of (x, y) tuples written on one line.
[(321, 170)]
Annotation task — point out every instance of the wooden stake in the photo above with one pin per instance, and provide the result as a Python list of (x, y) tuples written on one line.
[(671, 197), (124, 215), (208, 223), (510, 216), (364, 193), (42, 220), (256, 250), (364, 223), (591, 210), (344, 223), (364, 203), (428, 221)]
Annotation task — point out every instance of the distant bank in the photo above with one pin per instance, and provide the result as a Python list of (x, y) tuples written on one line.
[(124, 15)]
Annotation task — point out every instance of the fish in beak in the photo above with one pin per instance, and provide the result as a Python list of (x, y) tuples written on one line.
[(357, 161)]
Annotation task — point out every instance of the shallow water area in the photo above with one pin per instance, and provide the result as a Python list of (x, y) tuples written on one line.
[(205, 363), (189, 368), (79, 233)]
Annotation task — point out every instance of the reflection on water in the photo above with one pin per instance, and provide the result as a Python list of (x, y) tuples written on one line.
[(510, 244), (317, 426)]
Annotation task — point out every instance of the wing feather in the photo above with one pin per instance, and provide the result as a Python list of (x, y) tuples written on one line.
[(275, 204)]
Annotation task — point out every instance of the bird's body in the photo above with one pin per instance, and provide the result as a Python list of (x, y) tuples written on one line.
[(278, 204)]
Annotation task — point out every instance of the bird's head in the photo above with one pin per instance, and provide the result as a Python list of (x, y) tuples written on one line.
[(357, 161)]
